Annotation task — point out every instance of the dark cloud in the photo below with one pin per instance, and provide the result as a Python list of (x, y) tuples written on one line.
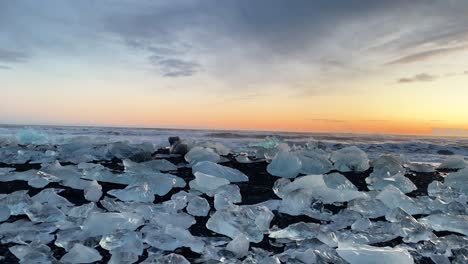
[(174, 67), (420, 56), (3, 67), (422, 77), (12, 56)]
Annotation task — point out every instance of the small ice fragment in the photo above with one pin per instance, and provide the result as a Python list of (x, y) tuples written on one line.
[(81, 254), (134, 193), (315, 163), (285, 164), (198, 154), (350, 159), (421, 167), (363, 254), (106, 223), (361, 224), (44, 213), (93, 191), (167, 259), (213, 169), (458, 180), (239, 246), (454, 162), (226, 196), (198, 206), (398, 180), (206, 183)]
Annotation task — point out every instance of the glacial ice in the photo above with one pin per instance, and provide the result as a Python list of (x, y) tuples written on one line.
[(285, 164), (363, 254), (239, 246), (44, 213), (392, 197), (81, 254), (458, 180), (314, 162), (250, 220), (134, 193), (216, 170), (166, 259), (447, 222), (198, 206), (93, 191), (4, 213), (421, 167), (398, 180), (227, 195), (207, 183), (350, 159), (106, 223), (32, 136), (197, 154), (454, 162)]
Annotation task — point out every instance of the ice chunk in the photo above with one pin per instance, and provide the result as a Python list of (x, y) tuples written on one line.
[(361, 224), (392, 197), (206, 183), (407, 226), (243, 158), (4, 213), (106, 223), (458, 180), (338, 182), (350, 159), (17, 201), (421, 167), (447, 222), (363, 254), (44, 213), (51, 197), (250, 220), (387, 165), (216, 170), (93, 191), (149, 166), (125, 246), (82, 211), (167, 259), (216, 146), (239, 246), (314, 186), (297, 232), (398, 180), (226, 196), (285, 164), (134, 193), (198, 206), (454, 162), (81, 254), (315, 163), (32, 253), (198, 154), (170, 238)]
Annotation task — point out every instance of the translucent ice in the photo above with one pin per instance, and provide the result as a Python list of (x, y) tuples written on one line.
[(447, 222), (4, 213), (315, 163), (134, 193), (81, 254), (44, 213), (170, 238), (297, 232), (392, 197), (93, 191), (350, 159), (285, 164), (213, 169), (198, 154), (206, 183), (363, 254), (398, 180), (167, 259), (239, 246), (250, 220), (421, 167), (458, 180), (32, 136), (371, 208), (198, 206), (454, 162), (105, 223), (227, 195)]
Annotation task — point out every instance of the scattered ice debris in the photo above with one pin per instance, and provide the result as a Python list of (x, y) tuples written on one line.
[(81, 254), (350, 159), (285, 164), (32, 136), (166, 259), (216, 170), (197, 154), (363, 254), (207, 183)]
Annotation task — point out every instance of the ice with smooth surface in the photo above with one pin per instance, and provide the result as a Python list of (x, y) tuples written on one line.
[(392, 197), (363, 254), (285, 164), (167, 259), (198, 206), (458, 180), (93, 191), (454, 162), (251, 220), (207, 183), (4, 213), (44, 213), (421, 167), (197, 154), (447, 222), (220, 171), (398, 180), (297, 232), (81, 254), (315, 162), (350, 159), (227, 195)]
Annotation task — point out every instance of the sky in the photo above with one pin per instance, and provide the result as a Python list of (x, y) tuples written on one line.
[(363, 66)]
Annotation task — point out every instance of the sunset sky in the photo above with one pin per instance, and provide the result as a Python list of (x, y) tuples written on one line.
[(367, 66)]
